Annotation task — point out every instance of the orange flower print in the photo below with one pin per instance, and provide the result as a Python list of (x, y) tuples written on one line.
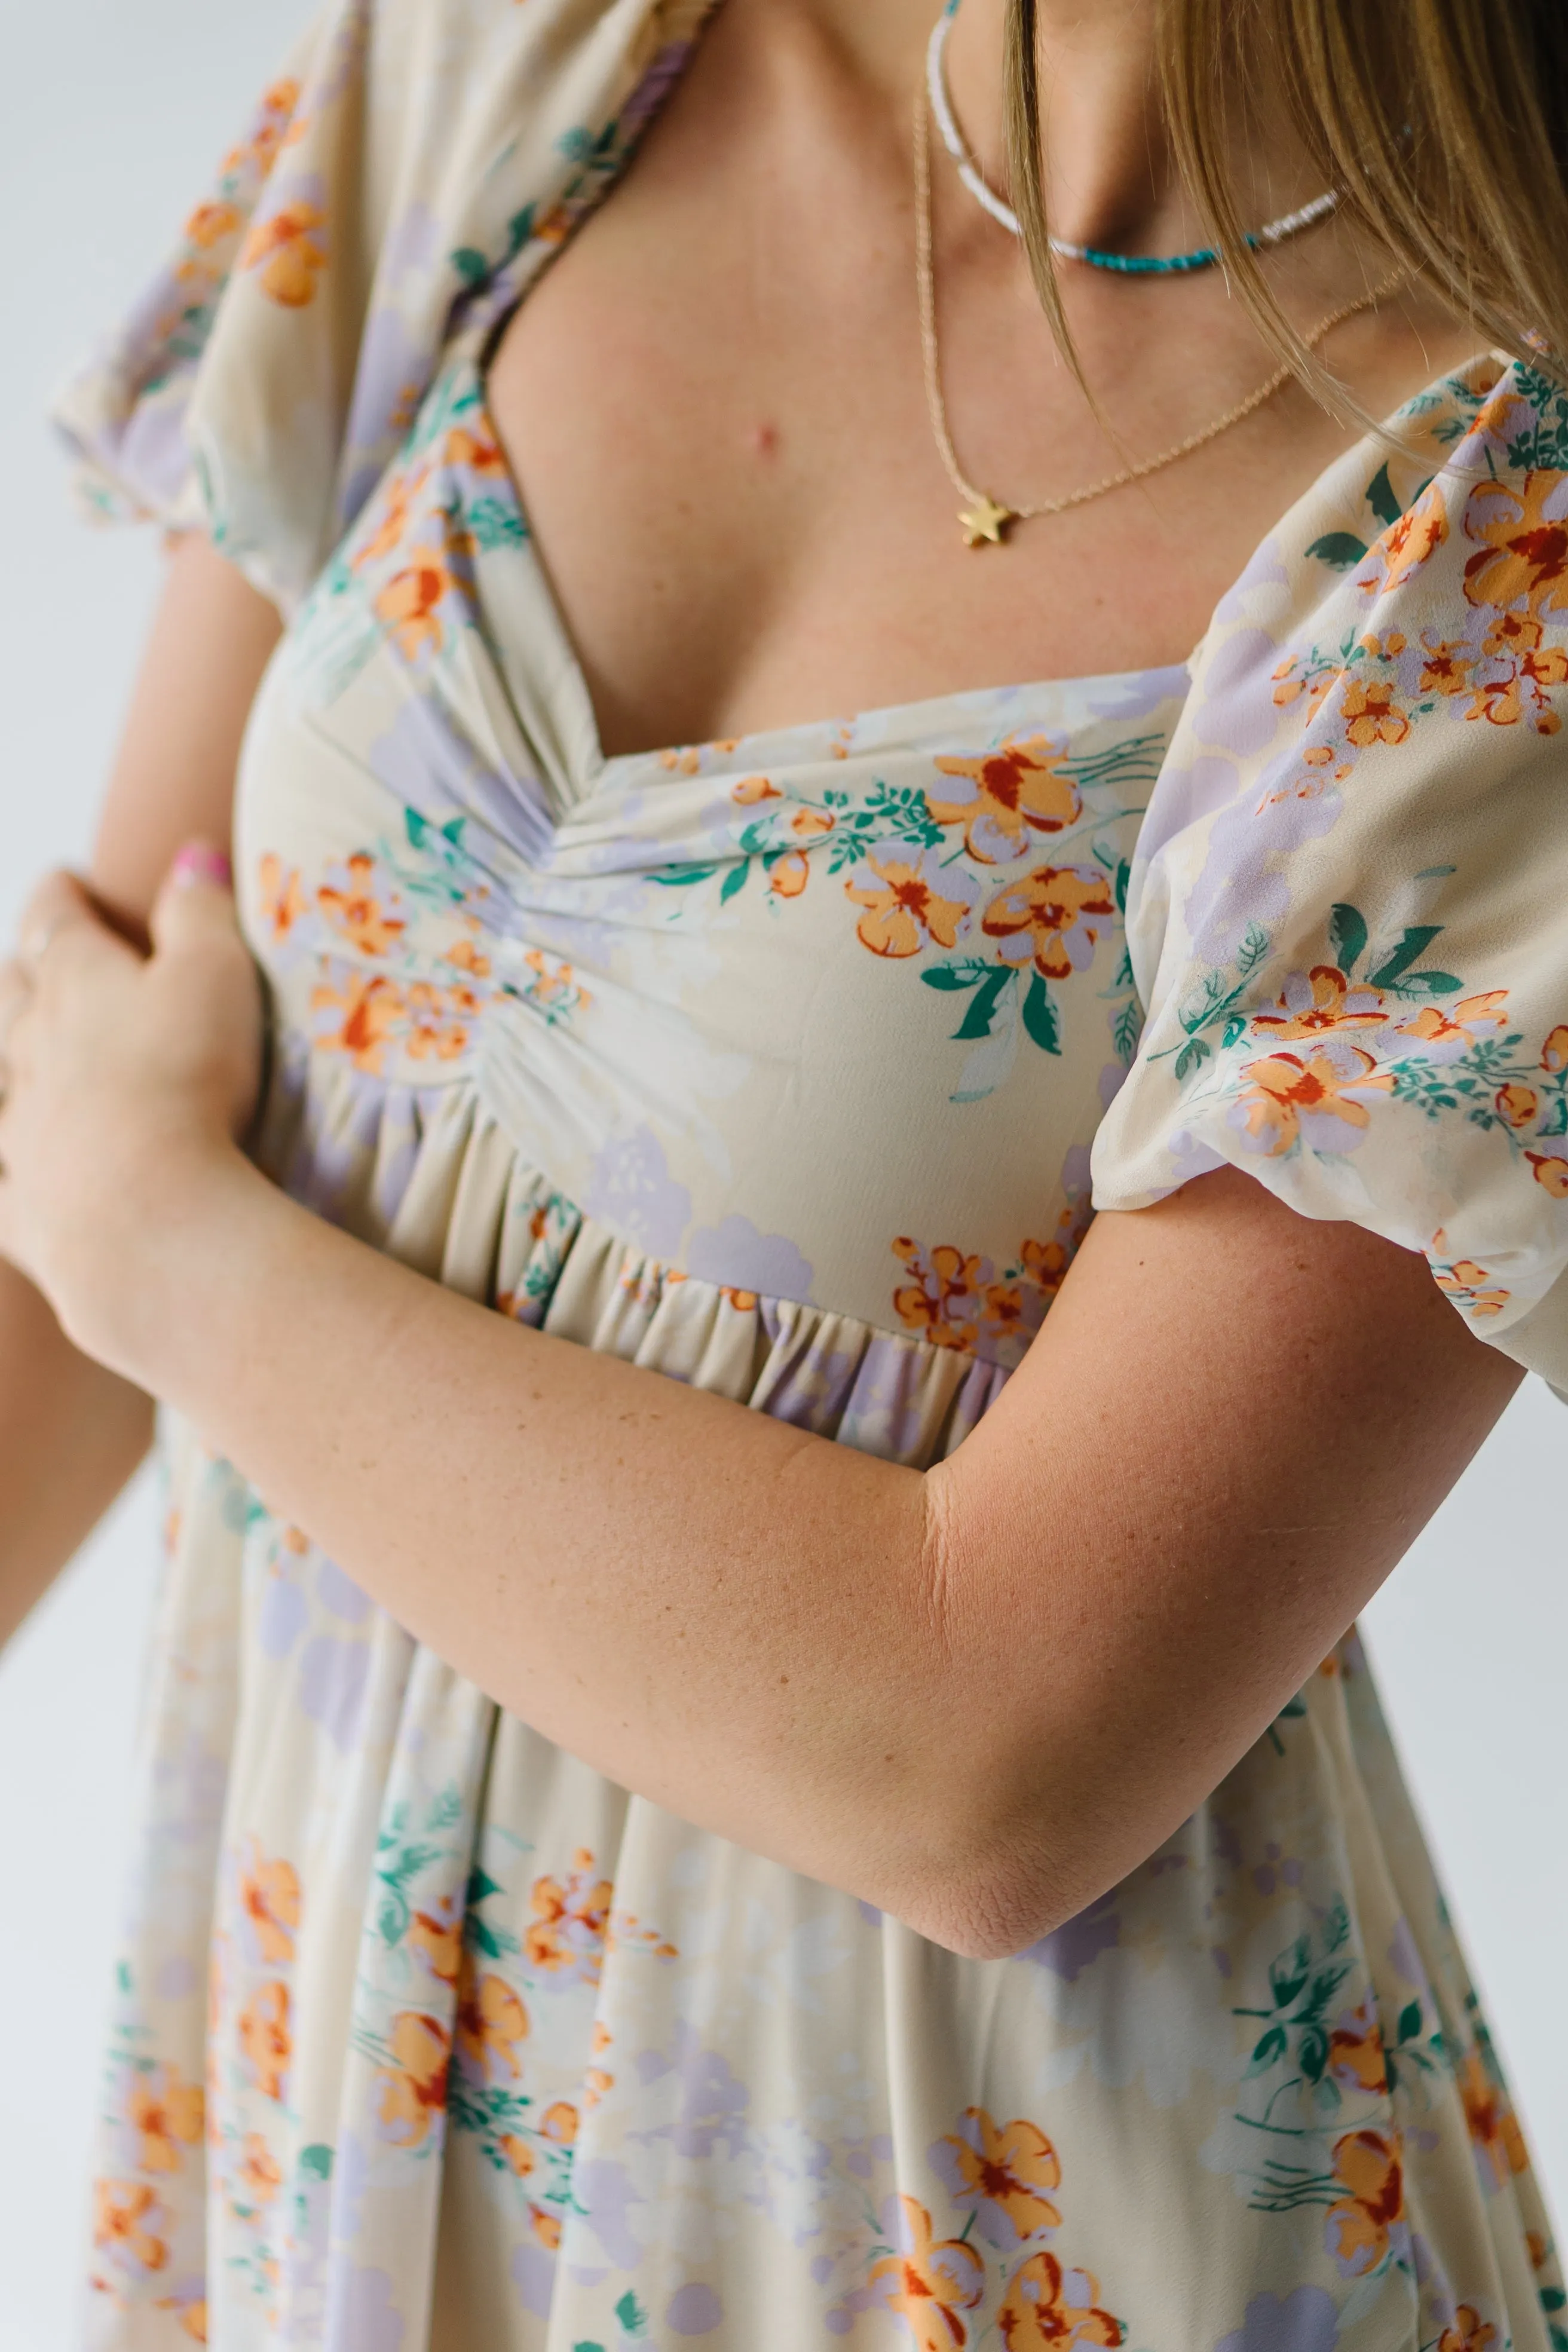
[(811, 824), (1355, 2050), (270, 130), (1313, 1003), (210, 224), (1523, 555), (192, 2312), (546, 2228), (438, 1937), (559, 2123), (491, 2022), (788, 876), (469, 956), (1446, 667), (1495, 2136), (1001, 2173), (409, 605), (440, 1021), (909, 908), (571, 1922), (1554, 1052), (288, 253), (1046, 2309), (1314, 682), (355, 913), (1551, 1170), (943, 1303), (1057, 916), (127, 2219), (367, 1010), (751, 790), (928, 2281), (283, 902), (1372, 714), (476, 453), (1364, 2225), (168, 2114), (517, 2154), (1447, 1036), (1420, 531), (269, 1898), (1317, 1101), (261, 2175), (1517, 1106), (1046, 1263), (1469, 1285), (266, 2040), (1005, 795), (1468, 2333), (414, 2084)]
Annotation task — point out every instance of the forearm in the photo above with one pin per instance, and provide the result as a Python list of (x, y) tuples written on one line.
[(976, 1697), (711, 1607), (71, 1433)]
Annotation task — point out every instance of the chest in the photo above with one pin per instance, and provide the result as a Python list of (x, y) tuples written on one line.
[(714, 403)]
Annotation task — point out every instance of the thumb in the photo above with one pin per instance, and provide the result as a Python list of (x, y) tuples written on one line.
[(195, 905)]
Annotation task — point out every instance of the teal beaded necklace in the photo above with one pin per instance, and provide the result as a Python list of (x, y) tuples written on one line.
[(1126, 265)]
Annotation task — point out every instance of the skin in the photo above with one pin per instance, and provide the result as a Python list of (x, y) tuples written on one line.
[(978, 1695)]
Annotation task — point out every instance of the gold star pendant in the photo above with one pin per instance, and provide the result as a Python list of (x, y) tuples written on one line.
[(984, 523)]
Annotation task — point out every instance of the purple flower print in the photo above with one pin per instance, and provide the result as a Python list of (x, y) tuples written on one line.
[(738, 1257), (1305, 2320)]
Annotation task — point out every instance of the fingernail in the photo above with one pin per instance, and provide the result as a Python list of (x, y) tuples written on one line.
[(197, 863)]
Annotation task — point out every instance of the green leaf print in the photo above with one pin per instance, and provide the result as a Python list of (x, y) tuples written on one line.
[(1410, 2020), (1347, 937), (1253, 949), (680, 878), (1338, 548), (1416, 939), (976, 1022), (734, 882), (1126, 1030), (316, 2163), (1041, 1017), (967, 972), (1379, 497), (1192, 1056), (1546, 441), (1272, 2045), (631, 2314)]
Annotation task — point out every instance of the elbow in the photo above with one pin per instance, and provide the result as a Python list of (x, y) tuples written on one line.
[(993, 1910)]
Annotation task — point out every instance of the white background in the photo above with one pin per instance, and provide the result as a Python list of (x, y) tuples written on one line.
[(112, 114)]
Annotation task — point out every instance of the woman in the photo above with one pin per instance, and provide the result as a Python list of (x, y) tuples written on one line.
[(918, 1860)]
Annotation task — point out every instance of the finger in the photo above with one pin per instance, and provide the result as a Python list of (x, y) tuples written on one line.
[(194, 907), (59, 899), (59, 908)]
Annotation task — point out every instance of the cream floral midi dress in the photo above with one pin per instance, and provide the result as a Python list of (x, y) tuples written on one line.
[(794, 1067)]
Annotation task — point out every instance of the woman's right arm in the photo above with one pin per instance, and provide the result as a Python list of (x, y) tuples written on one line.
[(70, 1433)]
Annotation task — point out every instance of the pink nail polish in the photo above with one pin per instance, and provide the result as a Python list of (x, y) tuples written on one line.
[(197, 863)]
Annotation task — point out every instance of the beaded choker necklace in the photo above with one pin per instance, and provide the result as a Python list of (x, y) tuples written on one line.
[(1129, 265)]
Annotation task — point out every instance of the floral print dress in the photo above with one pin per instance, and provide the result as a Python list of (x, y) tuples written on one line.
[(794, 1067)]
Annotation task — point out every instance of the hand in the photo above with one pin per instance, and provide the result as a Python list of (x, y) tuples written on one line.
[(126, 1079)]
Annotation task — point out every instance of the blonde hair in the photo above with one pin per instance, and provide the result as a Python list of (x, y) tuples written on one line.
[(1443, 123)]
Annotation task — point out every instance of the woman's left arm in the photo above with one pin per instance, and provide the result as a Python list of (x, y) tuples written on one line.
[(976, 1696)]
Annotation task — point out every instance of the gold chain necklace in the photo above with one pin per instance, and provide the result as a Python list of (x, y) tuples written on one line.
[(984, 520)]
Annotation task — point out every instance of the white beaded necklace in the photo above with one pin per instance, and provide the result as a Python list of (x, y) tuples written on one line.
[(1171, 265)]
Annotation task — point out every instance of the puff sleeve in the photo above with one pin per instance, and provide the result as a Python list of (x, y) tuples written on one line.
[(1348, 913), (416, 163)]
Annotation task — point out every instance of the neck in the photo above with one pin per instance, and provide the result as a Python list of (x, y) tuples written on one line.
[(1110, 177)]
